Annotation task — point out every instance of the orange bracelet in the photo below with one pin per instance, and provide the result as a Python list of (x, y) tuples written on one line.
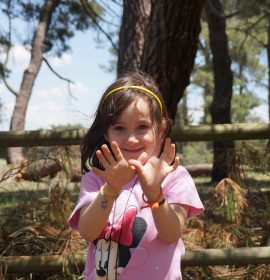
[(153, 204)]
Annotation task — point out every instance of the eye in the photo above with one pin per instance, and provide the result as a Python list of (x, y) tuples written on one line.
[(118, 127), (143, 127)]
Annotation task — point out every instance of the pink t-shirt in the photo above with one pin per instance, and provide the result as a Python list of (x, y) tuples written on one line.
[(129, 247)]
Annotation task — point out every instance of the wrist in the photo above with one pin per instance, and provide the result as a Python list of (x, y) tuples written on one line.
[(109, 191), (107, 194), (153, 196), (153, 204)]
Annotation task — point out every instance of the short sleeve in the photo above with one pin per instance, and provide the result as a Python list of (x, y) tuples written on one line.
[(179, 188), (89, 189)]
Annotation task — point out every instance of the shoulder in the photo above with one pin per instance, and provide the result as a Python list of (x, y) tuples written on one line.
[(179, 173), (91, 179), (178, 181)]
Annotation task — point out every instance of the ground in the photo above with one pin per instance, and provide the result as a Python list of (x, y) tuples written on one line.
[(33, 221)]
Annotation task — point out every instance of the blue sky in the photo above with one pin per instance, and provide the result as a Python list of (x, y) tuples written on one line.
[(51, 103)]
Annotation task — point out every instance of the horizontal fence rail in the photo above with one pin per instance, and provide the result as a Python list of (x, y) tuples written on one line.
[(218, 132), (203, 257)]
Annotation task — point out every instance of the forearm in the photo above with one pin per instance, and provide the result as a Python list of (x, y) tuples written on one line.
[(169, 221), (94, 217)]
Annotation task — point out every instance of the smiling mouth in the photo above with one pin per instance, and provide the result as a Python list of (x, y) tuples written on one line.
[(133, 151)]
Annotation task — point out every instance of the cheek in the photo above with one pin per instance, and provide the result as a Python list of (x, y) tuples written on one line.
[(111, 136), (150, 139), (116, 138)]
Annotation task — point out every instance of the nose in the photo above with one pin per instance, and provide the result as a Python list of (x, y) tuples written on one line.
[(132, 138)]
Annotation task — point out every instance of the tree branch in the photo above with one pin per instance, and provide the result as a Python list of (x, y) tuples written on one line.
[(211, 9), (3, 65), (59, 76), (92, 14), (232, 14), (108, 9)]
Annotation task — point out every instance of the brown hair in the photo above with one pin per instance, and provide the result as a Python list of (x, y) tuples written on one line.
[(110, 109)]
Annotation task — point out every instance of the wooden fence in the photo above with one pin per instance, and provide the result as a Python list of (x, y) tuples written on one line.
[(204, 257), (218, 132)]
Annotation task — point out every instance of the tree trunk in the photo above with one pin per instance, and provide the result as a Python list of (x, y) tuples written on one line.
[(220, 108), (131, 39), (207, 88), (30, 74), (268, 60), (171, 45)]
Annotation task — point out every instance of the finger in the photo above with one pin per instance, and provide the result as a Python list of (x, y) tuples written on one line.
[(103, 161), (143, 158), (116, 151), (169, 151), (134, 163), (132, 167), (107, 154), (176, 163), (171, 156), (166, 148), (173, 167)]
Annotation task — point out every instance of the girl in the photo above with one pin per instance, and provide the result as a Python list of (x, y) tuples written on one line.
[(134, 198)]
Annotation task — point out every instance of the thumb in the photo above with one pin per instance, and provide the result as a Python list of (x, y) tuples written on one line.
[(139, 162), (142, 158), (136, 164)]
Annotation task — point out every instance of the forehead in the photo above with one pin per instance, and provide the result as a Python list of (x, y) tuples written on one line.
[(138, 108)]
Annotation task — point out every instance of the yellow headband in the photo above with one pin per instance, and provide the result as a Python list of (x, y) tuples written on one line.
[(135, 87)]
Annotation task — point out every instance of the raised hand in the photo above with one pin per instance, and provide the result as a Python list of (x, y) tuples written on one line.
[(117, 171), (152, 171)]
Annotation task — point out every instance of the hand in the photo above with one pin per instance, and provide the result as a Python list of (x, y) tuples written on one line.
[(153, 171), (117, 171)]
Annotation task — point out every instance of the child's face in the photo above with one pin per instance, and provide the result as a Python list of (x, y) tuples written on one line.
[(134, 131)]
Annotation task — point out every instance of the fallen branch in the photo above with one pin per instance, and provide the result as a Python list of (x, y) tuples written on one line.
[(196, 170), (203, 257)]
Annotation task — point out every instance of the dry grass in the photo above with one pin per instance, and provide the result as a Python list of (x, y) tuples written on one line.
[(33, 218)]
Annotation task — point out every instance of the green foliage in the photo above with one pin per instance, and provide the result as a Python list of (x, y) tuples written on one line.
[(196, 152), (68, 18), (66, 126), (255, 156), (241, 106), (247, 40)]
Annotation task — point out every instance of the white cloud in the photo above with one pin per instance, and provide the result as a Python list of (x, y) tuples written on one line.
[(19, 54), (62, 92), (54, 106), (50, 93), (45, 114), (63, 60), (78, 87), (6, 115), (261, 112)]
